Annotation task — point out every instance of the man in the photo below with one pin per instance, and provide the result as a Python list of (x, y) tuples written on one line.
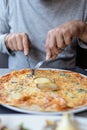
[(35, 30)]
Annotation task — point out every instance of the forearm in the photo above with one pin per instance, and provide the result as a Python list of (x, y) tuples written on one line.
[(4, 25)]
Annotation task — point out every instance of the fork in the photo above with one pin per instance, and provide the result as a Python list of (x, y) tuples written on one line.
[(37, 66)]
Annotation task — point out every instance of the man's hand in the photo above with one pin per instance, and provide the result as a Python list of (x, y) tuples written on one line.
[(18, 42), (60, 37)]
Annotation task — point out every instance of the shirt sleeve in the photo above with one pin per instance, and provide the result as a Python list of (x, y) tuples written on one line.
[(4, 26), (81, 43)]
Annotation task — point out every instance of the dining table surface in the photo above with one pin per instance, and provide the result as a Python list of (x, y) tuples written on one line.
[(5, 110)]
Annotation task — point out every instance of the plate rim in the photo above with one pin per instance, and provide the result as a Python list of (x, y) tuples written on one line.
[(21, 110), (76, 110)]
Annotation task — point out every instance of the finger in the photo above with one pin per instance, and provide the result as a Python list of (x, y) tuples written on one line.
[(52, 45), (10, 45), (26, 45), (54, 56), (14, 44), (60, 41), (56, 50), (67, 40), (48, 51), (48, 54), (19, 43)]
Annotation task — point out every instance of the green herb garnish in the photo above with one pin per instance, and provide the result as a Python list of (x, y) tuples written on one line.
[(65, 75), (13, 82), (80, 90)]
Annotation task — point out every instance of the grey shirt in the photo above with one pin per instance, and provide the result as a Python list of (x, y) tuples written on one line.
[(36, 18)]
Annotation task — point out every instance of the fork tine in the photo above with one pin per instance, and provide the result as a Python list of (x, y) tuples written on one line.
[(37, 66)]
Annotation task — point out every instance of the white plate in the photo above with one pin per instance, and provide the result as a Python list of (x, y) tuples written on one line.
[(36, 122), (80, 109), (84, 108)]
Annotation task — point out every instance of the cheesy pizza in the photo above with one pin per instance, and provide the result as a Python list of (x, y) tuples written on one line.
[(48, 90)]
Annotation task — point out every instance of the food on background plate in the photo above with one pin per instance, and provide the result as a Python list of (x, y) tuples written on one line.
[(4, 127), (50, 125), (67, 122), (47, 91)]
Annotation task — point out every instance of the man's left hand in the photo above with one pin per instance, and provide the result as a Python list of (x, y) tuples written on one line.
[(60, 37)]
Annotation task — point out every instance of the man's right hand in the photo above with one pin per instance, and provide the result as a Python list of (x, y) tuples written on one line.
[(18, 42)]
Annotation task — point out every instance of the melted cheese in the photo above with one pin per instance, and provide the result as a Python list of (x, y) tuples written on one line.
[(42, 80)]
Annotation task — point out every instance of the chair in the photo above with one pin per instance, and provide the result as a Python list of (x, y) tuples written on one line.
[(81, 60)]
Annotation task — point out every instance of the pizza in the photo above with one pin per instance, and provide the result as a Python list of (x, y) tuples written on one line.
[(47, 91)]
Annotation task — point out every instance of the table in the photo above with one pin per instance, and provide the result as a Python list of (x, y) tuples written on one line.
[(4, 110)]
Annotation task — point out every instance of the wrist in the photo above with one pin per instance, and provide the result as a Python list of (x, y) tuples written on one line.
[(6, 41), (82, 31)]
